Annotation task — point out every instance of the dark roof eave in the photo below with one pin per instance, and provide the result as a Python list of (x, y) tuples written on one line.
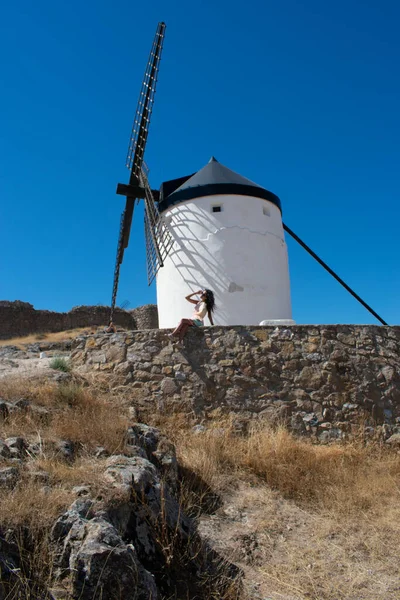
[(214, 189)]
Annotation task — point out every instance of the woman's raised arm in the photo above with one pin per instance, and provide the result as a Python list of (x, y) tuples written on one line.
[(189, 297)]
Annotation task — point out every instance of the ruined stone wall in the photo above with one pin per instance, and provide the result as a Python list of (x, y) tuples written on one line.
[(146, 317), (20, 318), (323, 380)]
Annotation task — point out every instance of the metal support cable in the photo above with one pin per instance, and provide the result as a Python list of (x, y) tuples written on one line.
[(323, 264)]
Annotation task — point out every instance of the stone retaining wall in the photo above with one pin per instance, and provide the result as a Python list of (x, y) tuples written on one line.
[(324, 380)]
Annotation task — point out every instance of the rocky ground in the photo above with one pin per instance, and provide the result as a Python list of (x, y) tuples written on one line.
[(94, 504), (32, 359), (125, 533)]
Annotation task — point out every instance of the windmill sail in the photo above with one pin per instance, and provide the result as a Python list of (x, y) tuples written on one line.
[(136, 150), (159, 241)]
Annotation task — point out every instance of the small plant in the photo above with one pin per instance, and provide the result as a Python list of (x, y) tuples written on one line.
[(41, 336), (60, 364)]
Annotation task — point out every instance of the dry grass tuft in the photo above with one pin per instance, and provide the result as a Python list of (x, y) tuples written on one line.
[(33, 506), (75, 413), (36, 390)]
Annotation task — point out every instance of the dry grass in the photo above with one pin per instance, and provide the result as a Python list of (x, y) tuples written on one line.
[(324, 520), (74, 413), (59, 336), (46, 480), (347, 478), (33, 506), (29, 512)]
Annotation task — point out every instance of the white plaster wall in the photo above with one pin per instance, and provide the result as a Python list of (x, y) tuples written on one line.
[(239, 253)]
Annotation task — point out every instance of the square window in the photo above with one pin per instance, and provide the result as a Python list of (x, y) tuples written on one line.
[(217, 208), (266, 211)]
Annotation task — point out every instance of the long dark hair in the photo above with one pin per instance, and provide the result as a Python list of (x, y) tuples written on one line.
[(209, 300)]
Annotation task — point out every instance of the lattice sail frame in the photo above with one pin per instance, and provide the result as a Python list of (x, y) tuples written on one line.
[(137, 144), (140, 127), (159, 240)]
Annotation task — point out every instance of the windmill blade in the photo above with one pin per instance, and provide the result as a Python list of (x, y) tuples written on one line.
[(140, 128), (137, 144), (118, 262), (158, 238), (331, 272)]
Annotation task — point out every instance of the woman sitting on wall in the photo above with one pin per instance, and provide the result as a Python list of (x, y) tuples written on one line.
[(205, 305)]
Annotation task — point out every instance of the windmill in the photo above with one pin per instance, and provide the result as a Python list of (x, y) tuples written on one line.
[(158, 238), (213, 228)]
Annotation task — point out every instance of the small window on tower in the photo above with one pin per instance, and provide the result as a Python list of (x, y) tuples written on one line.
[(266, 211), (217, 208)]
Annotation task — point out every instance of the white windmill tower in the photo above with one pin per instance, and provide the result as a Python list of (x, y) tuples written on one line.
[(213, 229), (228, 237)]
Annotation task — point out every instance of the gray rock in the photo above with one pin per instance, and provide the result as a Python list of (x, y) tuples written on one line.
[(349, 406), (124, 368), (40, 412), (100, 564), (330, 434), (61, 377), (3, 409), (180, 375), (311, 419), (388, 414), (133, 413), (101, 452), (17, 446), (394, 440), (22, 403), (125, 472), (199, 429), (81, 490), (9, 477), (328, 414), (66, 449), (4, 450), (168, 386), (297, 424)]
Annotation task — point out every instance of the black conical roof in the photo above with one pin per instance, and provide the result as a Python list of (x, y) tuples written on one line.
[(214, 173), (213, 179)]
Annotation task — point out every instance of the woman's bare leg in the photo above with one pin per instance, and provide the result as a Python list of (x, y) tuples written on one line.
[(184, 328), (184, 324)]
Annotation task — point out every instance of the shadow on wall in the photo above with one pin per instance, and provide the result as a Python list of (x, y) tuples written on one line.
[(193, 259)]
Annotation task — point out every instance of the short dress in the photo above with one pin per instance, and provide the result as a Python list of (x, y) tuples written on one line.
[(199, 309)]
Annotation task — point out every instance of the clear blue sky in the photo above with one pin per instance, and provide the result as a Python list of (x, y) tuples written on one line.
[(301, 97)]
